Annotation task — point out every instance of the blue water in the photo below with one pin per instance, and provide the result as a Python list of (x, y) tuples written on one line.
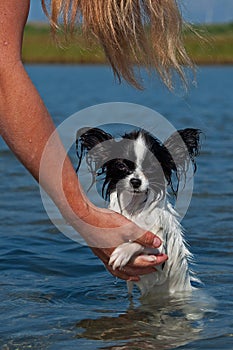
[(55, 294)]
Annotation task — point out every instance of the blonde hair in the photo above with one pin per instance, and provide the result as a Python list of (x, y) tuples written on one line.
[(132, 33)]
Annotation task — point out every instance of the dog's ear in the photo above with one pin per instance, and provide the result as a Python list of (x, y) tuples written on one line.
[(88, 139), (183, 146)]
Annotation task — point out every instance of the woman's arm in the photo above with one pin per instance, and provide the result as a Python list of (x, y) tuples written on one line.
[(26, 127)]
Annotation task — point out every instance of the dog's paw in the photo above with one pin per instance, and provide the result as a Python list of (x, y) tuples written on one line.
[(123, 253)]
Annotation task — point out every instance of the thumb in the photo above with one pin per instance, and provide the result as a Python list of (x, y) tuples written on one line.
[(149, 240)]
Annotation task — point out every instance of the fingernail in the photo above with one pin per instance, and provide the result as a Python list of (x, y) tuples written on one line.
[(157, 242), (151, 258)]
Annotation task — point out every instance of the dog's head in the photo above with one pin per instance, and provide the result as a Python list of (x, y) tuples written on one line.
[(138, 164)]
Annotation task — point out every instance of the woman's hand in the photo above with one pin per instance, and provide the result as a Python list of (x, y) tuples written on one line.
[(104, 230), (139, 265)]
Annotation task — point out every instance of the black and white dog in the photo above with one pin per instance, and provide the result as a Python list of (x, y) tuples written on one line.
[(137, 173)]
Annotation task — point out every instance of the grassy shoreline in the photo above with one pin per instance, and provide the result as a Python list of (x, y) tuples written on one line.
[(215, 47)]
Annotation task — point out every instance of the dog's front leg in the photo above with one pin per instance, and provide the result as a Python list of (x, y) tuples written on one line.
[(123, 253), (126, 251)]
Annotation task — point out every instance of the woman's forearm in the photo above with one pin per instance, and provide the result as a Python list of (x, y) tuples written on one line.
[(26, 127), (25, 123)]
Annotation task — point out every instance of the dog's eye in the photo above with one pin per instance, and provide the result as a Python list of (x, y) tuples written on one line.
[(121, 166), (124, 167)]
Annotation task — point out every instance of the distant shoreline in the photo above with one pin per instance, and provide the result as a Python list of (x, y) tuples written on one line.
[(79, 63), (214, 48)]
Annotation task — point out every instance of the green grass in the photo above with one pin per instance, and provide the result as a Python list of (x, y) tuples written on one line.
[(40, 47), (212, 45)]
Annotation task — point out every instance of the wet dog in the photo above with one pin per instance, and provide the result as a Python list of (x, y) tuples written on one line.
[(137, 173)]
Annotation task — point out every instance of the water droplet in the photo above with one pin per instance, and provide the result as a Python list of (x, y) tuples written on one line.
[(5, 43), (30, 140), (116, 281)]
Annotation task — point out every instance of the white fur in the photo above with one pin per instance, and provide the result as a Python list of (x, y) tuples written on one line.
[(140, 150), (159, 217), (175, 276)]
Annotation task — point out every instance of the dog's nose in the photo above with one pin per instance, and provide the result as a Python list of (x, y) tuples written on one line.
[(136, 183)]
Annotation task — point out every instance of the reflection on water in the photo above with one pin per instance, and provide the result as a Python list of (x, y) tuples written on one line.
[(159, 323)]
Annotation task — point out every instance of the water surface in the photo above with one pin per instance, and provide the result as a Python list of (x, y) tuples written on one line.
[(56, 295)]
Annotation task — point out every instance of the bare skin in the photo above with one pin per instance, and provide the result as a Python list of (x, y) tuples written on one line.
[(26, 126)]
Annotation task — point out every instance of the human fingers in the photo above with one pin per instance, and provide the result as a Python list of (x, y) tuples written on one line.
[(140, 265), (148, 260), (103, 253), (122, 274), (130, 273)]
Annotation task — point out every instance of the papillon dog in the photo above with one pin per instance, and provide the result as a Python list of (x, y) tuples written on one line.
[(139, 175)]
